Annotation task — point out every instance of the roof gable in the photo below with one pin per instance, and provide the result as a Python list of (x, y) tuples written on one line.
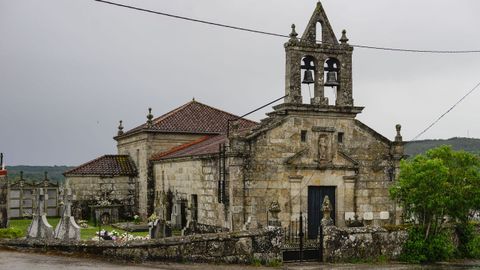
[(204, 146), (194, 118), (105, 166)]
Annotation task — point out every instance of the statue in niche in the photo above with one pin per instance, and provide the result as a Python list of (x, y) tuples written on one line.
[(322, 148)]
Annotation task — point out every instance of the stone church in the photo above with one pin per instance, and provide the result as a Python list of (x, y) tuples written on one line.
[(197, 163)]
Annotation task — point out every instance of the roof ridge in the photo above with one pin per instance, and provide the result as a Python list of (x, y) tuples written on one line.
[(205, 126), (177, 148), (223, 111), (117, 158), (170, 113), (84, 164)]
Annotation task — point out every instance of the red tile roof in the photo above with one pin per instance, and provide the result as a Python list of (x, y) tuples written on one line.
[(204, 146), (193, 117), (108, 165)]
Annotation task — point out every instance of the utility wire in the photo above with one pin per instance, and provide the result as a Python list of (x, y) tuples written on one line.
[(445, 113), (281, 35)]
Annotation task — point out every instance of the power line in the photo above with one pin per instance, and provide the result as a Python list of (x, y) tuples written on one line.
[(445, 113), (281, 35)]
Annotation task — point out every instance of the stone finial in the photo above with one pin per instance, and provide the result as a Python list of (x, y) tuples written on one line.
[(344, 38), (398, 138), (326, 209), (149, 117), (45, 179), (120, 129), (274, 209), (293, 35)]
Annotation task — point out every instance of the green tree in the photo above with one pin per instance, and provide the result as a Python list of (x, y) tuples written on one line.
[(441, 183)]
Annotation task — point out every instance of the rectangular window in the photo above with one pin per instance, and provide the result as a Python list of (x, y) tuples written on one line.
[(194, 201), (303, 135), (340, 137)]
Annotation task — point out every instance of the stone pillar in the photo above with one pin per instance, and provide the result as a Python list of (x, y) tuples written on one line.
[(252, 222), (67, 228), (40, 228), (3, 194), (349, 206), (327, 209)]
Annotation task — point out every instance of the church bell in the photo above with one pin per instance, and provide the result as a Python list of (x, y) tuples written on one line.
[(331, 79), (308, 77)]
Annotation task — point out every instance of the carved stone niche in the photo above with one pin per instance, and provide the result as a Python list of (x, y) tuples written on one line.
[(324, 148)]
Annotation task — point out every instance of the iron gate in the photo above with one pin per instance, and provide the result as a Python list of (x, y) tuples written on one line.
[(298, 246)]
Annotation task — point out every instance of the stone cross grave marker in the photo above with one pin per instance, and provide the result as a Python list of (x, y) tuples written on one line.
[(40, 228), (67, 228)]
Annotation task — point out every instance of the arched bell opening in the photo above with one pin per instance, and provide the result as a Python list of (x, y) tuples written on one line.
[(332, 79), (319, 32), (307, 69)]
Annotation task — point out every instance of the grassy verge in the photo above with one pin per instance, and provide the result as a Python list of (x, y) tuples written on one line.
[(21, 227)]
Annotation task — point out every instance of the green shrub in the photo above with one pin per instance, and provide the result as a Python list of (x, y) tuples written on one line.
[(11, 233), (465, 233), (256, 262), (418, 250), (274, 263), (473, 247)]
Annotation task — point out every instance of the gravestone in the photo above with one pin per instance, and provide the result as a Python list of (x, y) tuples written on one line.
[(179, 214), (40, 228), (67, 228)]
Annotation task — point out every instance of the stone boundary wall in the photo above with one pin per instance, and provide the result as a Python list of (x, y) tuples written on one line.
[(236, 247), (361, 243)]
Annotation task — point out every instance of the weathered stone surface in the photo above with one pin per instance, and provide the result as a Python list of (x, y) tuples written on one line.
[(67, 228), (39, 227), (353, 244), (239, 247)]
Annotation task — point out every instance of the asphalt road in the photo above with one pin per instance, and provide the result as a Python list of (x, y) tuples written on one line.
[(12, 260)]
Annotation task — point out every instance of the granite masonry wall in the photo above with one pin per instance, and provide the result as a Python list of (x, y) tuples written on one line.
[(140, 148), (89, 188), (239, 247), (187, 177), (362, 243), (282, 166)]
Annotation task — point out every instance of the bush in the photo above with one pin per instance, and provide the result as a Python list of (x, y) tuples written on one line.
[(473, 247), (418, 250), (11, 233)]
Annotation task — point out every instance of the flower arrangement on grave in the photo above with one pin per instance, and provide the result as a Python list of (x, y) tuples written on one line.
[(117, 237), (136, 219)]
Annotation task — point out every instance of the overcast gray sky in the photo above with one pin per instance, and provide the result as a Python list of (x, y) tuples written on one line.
[(70, 69)]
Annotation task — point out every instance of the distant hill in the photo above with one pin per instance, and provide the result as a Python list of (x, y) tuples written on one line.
[(36, 173), (414, 148)]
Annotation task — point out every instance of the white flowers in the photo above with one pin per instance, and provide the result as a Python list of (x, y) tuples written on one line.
[(117, 237)]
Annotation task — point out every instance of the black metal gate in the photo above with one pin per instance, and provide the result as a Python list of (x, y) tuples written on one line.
[(304, 236), (297, 245)]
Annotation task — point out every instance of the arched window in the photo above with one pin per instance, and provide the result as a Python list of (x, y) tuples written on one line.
[(307, 66), (319, 32), (332, 79)]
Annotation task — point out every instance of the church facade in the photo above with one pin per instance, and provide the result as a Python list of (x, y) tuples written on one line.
[(203, 165)]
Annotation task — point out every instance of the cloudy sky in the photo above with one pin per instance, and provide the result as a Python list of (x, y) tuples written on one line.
[(70, 69)]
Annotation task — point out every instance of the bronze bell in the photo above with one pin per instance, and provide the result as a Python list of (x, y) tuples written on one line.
[(331, 79), (308, 77)]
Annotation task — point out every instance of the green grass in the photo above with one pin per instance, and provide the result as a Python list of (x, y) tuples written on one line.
[(85, 234)]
